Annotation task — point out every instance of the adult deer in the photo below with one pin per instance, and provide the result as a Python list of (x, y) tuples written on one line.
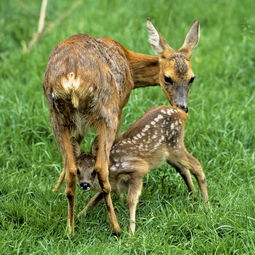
[(87, 83)]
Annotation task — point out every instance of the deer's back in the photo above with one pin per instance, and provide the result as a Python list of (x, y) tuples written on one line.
[(88, 74), (151, 138)]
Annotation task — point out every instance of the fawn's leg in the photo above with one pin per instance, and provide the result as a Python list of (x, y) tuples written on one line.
[(92, 203), (134, 192), (185, 161), (105, 141), (186, 176), (197, 170)]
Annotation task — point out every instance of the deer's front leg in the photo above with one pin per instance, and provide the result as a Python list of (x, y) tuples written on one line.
[(134, 192), (105, 141), (60, 181), (92, 203)]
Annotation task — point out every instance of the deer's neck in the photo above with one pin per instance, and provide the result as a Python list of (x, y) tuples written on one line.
[(144, 68)]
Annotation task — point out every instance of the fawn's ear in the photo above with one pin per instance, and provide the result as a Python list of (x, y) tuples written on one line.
[(76, 148), (157, 42), (192, 39)]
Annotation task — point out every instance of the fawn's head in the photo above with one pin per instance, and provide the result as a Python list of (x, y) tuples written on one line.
[(176, 75), (85, 168), (86, 171)]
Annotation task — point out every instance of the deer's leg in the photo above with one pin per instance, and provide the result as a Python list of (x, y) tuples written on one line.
[(185, 162), (60, 181), (186, 176), (92, 203), (62, 135), (70, 177), (105, 141), (76, 148), (197, 170), (134, 192)]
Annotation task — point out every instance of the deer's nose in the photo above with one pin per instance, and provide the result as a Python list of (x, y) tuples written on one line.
[(85, 185), (184, 108)]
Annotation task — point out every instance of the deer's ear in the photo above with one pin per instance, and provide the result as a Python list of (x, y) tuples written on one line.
[(192, 39), (76, 148), (157, 42)]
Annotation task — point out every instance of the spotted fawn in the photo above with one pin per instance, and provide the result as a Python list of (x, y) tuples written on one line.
[(156, 137)]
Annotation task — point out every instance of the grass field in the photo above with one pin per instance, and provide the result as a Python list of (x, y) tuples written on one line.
[(220, 132)]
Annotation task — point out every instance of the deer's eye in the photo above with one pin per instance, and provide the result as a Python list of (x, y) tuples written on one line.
[(78, 172), (168, 80), (93, 174), (191, 79)]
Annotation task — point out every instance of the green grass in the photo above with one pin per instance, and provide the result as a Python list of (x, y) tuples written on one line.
[(220, 132)]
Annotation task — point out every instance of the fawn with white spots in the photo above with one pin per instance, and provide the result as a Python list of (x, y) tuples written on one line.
[(156, 137), (88, 81)]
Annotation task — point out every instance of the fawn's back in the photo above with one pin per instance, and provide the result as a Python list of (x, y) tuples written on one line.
[(148, 142), (152, 138)]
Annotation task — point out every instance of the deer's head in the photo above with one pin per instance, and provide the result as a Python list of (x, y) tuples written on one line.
[(86, 173), (176, 75)]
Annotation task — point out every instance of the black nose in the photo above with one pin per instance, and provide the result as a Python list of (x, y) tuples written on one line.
[(184, 108), (85, 185)]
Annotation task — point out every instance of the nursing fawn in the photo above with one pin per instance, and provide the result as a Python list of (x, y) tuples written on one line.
[(158, 136)]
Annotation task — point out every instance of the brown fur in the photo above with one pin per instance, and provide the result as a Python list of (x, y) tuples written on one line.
[(156, 137), (87, 83)]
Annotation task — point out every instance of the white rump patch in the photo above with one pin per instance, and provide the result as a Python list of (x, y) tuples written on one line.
[(71, 83)]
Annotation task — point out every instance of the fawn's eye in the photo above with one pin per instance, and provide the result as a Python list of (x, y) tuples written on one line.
[(93, 174), (191, 79), (78, 172), (168, 80)]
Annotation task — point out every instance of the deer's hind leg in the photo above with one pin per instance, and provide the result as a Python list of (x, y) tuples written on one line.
[(185, 163), (76, 149), (105, 140), (186, 176), (62, 135)]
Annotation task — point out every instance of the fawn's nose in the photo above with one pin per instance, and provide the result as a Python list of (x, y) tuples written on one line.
[(85, 186), (184, 108)]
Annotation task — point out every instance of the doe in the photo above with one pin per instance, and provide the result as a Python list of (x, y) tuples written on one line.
[(88, 81)]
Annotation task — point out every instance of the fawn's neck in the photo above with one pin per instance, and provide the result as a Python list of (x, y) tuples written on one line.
[(145, 69)]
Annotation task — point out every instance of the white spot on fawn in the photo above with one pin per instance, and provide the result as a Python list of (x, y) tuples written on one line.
[(158, 118), (169, 111), (113, 168), (125, 165)]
